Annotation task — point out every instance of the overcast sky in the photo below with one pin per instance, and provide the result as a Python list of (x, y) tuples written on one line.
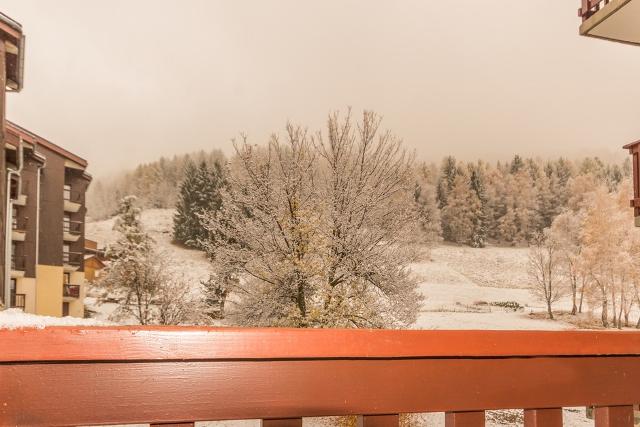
[(121, 82)]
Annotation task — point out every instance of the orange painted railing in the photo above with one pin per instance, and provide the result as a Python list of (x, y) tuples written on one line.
[(66, 376)]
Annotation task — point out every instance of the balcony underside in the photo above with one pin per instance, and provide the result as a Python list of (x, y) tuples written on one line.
[(15, 274), (70, 237), (619, 20), (72, 207), (18, 235)]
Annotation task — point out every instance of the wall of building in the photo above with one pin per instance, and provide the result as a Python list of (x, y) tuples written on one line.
[(49, 290), (27, 286), (76, 306)]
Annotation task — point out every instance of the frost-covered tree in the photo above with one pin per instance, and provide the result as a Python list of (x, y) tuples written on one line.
[(544, 270), (604, 235), (448, 172), (199, 193), (132, 276), (479, 204), (461, 211), (136, 277), (566, 231), (318, 228)]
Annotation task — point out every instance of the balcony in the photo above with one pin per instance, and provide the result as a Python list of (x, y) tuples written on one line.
[(18, 300), (72, 201), (615, 20), (72, 261), (72, 230), (19, 229), (281, 375), (70, 292), (18, 265)]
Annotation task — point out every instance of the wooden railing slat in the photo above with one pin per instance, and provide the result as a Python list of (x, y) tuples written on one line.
[(614, 416), (464, 419), (543, 417), (391, 420), (282, 422), (198, 343), (173, 425)]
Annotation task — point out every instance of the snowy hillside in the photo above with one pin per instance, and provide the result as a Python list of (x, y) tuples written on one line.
[(460, 284), (191, 264)]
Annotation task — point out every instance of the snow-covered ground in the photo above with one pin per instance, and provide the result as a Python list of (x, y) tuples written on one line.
[(459, 283), (462, 286), (16, 318)]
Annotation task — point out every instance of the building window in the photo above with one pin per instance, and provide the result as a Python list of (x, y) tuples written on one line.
[(65, 254), (67, 278), (67, 192), (66, 223), (65, 308)]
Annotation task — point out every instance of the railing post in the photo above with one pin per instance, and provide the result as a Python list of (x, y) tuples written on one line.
[(464, 419), (543, 417), (283, 422), (392, 420), (614, 416)]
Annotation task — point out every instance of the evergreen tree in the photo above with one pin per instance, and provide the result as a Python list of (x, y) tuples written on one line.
[(448, 173), (185, 223), (426, 203), (199, 193), (459, 215), (480, 233), (516, 164)]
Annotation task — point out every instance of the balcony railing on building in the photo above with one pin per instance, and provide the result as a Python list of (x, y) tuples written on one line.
[(72, 260), (72, 200), (18, 300), (18, 262), (72, 230), (19, 226), (123, 375), (71, 291)]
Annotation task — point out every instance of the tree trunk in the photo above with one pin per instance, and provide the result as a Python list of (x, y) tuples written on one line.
[(549, 310), (605, 314), (574, 292), (581, 296)]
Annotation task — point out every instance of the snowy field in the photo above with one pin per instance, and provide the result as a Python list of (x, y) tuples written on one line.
[(463, 287)]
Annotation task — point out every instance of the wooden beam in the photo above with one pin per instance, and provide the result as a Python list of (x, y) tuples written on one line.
[(199, 343), (136, 392)]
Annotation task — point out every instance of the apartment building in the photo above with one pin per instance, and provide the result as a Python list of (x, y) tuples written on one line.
[(46, 216), (11, 72)]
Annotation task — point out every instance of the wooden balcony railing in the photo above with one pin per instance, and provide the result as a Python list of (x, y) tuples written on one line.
[(18, 300), (64, 376), (589, 7)]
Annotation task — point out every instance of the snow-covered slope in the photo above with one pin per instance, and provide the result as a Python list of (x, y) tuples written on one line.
[(191, 264), (463, 287), (459, 283)]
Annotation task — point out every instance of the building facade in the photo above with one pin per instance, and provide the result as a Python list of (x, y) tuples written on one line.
[(11, 66), (46, 217)]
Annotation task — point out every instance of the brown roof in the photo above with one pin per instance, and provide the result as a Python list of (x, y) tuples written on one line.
[(38, 140)]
